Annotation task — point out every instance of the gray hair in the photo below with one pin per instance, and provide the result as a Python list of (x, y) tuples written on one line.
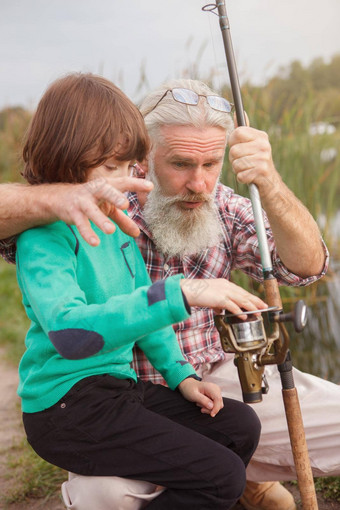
[(171, 112)]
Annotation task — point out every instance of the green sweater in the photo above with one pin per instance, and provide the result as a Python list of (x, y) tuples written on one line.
[(88, 307)]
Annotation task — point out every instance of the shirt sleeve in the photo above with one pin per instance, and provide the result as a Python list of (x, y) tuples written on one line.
[(8, 249), (246, 252)]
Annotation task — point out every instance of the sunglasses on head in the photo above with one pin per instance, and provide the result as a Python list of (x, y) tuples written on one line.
[(191, 98)]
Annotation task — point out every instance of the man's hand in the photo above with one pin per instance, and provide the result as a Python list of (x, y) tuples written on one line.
[(251, 158), (296, 234), (95, 200), (206, 395), (218, 294)]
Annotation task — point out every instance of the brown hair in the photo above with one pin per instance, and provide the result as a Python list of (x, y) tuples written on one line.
[(81, 121)]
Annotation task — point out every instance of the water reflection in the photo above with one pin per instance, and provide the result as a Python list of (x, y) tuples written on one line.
[(317, 349)]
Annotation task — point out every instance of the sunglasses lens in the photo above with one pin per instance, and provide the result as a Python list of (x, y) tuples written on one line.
[(185, 96), (219, 103)]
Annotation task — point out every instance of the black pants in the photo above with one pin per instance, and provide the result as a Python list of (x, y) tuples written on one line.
[(109, 426)]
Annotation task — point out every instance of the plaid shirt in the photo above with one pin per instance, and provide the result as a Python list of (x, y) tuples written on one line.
[(238, 249), (8, 249)]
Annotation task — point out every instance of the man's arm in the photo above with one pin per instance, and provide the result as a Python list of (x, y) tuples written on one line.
[(296, 234), (23, 206)]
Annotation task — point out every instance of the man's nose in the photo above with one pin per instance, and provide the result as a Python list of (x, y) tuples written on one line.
[(196, 182)]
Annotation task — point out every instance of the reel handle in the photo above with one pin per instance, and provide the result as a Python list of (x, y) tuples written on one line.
[(298, 316)]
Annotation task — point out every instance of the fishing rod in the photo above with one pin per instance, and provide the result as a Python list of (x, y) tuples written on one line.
[(248, 339)]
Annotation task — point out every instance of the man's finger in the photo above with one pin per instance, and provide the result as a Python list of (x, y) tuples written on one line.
[(104, 191), (123, 184), (126, 224), (85, 230), (241, 135), (246, 119)]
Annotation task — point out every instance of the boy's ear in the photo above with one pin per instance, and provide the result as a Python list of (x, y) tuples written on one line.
[(144, 166), (141, 171), (141, 168)]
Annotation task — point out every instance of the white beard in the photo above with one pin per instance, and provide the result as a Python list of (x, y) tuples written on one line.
[(179, 232)]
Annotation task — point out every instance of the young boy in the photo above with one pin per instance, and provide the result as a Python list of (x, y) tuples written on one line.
[(83, 407)]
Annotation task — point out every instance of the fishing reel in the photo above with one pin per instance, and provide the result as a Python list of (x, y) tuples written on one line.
[(254, 348)]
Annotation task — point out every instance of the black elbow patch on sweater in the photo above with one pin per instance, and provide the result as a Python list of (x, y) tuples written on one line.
[(182, 362), (156, 292), (76, 343)]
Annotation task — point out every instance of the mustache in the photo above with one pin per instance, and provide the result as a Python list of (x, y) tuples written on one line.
[(191, 197)]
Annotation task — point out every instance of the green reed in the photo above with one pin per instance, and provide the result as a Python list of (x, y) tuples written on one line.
[(13, 125), (299, 156)]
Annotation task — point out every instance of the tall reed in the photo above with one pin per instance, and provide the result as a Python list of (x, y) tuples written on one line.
[(13, 125), (309, 164)]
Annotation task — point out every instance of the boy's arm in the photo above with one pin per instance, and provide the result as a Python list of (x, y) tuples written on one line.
[(46, 268), (24, 206)]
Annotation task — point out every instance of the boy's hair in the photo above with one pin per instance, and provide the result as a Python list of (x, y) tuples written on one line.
[(81, 121)]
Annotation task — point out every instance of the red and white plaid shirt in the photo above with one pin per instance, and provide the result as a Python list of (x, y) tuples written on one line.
[(198, 337)]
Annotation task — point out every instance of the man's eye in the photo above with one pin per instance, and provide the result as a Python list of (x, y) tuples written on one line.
[(111, 168)]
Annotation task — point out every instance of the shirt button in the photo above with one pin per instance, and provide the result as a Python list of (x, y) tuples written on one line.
[(166, 267)]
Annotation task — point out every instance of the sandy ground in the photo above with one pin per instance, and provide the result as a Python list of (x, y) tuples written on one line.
[(11, 431)]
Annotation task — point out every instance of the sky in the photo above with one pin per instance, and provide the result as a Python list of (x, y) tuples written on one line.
[(40, 40)]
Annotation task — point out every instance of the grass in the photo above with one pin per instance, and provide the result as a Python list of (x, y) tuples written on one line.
[(34, 478), (329, 487), (13, 319)]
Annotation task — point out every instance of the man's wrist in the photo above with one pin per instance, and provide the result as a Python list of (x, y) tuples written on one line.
[(47, 203)]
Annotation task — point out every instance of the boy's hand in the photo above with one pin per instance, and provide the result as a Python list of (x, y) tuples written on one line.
[(220, 294), (206, 395)]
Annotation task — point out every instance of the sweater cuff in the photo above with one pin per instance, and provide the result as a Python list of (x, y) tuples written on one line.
[(182, 370), (179, 307), (194, 376)]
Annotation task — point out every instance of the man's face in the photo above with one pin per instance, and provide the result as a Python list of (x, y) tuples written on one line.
[(180, 211), (188, 161)]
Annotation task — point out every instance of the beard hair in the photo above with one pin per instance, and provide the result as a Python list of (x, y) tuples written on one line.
[(180, 232)]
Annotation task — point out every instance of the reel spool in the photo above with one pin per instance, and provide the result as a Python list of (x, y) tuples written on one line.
[(248, 340)]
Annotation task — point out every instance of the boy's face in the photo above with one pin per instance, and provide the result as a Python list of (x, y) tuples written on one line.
[(111, 168)]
